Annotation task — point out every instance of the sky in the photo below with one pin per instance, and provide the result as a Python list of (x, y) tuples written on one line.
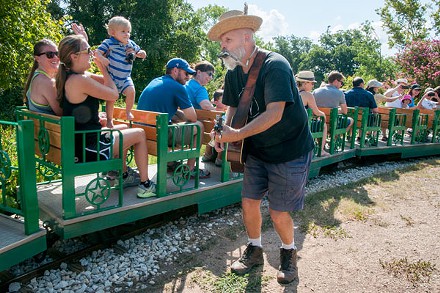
[(309, 19)]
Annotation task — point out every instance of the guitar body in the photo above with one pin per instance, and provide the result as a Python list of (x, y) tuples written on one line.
[(234, 156)]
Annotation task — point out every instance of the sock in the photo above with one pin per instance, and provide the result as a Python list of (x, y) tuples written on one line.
[(255, 242), (146, 183), (288, 246)]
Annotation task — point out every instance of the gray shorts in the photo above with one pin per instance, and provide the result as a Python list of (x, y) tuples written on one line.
[(283, 183), (181, 135)]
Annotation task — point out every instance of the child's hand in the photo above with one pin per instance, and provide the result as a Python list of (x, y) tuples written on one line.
[(104, 61), (141, 54)]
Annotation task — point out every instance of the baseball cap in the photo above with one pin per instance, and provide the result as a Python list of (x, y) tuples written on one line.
[(181, 64)]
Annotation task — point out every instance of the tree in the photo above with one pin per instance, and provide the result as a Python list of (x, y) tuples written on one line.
[(404, 21), (164, 29), (293, 48), (420, 61), (23, 24)]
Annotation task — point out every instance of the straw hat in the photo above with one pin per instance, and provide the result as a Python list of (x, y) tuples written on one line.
[(305, 76), (234, 19)]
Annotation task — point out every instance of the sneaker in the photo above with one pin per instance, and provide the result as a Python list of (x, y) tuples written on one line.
[(132, 179), (111, 175), (146, 191), (288, 271), (384, 138), (252, 257), (203, 174)]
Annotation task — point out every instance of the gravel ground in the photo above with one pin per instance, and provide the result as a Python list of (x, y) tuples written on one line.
[(151, 252)]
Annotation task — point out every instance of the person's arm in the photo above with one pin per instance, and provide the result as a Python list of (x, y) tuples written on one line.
[(343, 109), (79, 86), (190, 114), (206, 105), (311, 103), (272, 115)]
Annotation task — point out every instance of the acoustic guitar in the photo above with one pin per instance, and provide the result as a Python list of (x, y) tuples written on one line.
[(235, 153)]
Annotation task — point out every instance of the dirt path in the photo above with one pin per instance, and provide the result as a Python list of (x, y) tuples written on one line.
[(401, 230)]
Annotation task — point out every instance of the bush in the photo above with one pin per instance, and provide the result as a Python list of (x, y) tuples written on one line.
[(9, 99)]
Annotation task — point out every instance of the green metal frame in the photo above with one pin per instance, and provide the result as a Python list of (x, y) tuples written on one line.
[(396, 127), (419, 127), (98, 189), (436, 127), (370, 127), (316, 126), (337, 130)]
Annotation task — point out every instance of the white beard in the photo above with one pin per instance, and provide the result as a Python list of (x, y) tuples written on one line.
[(233, 60)]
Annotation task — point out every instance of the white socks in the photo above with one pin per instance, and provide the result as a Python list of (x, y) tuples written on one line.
[(288, 246), (255, 242)]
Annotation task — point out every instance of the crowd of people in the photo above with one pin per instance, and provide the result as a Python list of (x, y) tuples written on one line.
[(273, 102)]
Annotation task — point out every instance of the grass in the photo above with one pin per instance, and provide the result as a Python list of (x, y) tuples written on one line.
[(416, 272)]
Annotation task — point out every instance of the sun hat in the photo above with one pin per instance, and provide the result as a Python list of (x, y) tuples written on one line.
[(428, 89), (305, 76), (374, 83), (416, 87), (406, 97), (234, 19), (180, 63), (402, 80)]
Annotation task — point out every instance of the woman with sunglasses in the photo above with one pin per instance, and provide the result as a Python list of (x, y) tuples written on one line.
[(40, 92), (79, 93), (195, 87)]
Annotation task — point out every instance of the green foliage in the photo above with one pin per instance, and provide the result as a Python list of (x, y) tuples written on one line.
[(9, 99), (420, 61), (404, 21), (23, 24), (8, 188), (352, 52)]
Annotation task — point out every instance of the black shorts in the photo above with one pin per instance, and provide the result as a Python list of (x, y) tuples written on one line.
[(91, 148)]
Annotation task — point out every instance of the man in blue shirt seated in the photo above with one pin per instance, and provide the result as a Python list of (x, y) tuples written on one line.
[(167, 94), (360, 97)]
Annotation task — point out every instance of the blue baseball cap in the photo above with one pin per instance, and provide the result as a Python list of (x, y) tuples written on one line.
[(180, 63)]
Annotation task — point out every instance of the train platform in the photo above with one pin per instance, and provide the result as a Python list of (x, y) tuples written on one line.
[(15, 245)]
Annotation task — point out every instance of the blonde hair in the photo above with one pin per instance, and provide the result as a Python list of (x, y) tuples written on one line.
[(117, 22)]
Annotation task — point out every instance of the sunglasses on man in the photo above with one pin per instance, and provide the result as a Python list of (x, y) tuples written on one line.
[(49, 54)]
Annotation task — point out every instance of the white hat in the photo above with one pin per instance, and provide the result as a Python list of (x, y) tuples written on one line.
[(305, 76), (374, 83), (402, 80), (234, 19)]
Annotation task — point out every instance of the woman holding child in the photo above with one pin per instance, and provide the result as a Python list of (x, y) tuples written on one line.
[(79, 93)]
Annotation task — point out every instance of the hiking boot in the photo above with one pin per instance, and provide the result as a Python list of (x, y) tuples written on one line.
[(252, 256), (146, 191), (132, 179), (288, 271)]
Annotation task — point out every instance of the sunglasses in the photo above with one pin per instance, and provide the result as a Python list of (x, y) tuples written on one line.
[(85, 51), (49, 54), (342, 83), (211, 74)]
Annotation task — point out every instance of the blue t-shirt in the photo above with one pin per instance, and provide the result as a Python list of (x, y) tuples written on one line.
[(359, 97), (164, 94), (196, 93)]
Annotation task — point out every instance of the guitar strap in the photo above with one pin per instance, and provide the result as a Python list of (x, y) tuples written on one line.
[(240, 117)]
